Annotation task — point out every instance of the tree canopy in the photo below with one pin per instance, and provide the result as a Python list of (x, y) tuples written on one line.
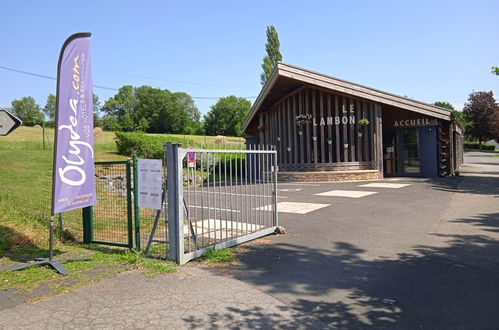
[(480, 111), (50, 106), (273, 54), (28, 111), (457, 114), (151, 110), (226, 117)]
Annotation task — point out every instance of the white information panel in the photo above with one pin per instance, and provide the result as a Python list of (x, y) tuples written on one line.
[(150, 188)]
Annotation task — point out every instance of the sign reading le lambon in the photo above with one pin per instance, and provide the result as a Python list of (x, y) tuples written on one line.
[(73, 181)]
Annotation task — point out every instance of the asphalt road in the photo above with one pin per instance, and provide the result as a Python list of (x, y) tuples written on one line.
[(431, 248), (423, 256)]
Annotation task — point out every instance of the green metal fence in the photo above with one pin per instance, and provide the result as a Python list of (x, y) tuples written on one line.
[(110, 221)]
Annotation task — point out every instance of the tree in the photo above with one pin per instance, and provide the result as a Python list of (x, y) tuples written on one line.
[(28, 111), (495, 70), (110, 123), (49, 108), (153, 110), (495, 126), (457, 114), (227, 116), (273, 54), (480, 111)]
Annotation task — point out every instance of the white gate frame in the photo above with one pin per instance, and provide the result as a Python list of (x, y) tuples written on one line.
[(175, 210)]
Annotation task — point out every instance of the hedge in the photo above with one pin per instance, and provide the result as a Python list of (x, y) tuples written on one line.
[(476, 145), (146, 145)]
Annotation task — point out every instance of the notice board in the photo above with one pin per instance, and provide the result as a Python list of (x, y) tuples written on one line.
[(150, 183)]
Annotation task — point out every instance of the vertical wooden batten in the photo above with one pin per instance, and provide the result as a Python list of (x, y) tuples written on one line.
[(322, 142), (314, 126)]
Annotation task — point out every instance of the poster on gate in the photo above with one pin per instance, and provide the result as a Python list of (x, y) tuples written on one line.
[(150, 183), (191, 159)]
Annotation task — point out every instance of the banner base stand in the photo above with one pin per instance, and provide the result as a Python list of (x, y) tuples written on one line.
[(54, 263)]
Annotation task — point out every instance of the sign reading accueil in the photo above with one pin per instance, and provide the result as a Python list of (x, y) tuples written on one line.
[(73, 176), (150, 183)]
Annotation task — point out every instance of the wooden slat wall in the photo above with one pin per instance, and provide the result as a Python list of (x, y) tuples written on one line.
[(329, 129), (305, 151)]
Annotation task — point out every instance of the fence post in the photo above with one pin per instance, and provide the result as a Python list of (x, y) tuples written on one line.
[(175, 211), (88, 224), (129, 203), (276, 168), (136, 201)]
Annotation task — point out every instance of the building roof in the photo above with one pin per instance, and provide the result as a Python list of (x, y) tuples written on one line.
[(286, 78)]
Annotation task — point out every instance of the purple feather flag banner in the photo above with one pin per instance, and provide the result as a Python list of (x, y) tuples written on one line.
[(73, 183)]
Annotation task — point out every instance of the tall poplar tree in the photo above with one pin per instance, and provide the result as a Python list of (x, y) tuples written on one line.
[(273, 54)]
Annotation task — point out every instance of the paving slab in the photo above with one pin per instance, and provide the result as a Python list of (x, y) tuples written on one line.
[(347, 193)]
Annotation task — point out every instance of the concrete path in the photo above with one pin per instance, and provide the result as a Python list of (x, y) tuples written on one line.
[(425, 255), (191, 299)]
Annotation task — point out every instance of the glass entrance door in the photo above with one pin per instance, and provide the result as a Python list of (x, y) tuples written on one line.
[(411, 151), (390, 152)]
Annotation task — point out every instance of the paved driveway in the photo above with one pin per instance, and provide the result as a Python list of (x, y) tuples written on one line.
[(423, 255), (420, 256)]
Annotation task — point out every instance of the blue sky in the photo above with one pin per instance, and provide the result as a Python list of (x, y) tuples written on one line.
[(426, 50)]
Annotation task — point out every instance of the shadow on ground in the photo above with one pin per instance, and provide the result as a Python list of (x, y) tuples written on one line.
[(451, 287), (480, 185)]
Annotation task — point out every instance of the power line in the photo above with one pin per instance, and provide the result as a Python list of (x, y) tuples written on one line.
[(137, 75), (102, 87)]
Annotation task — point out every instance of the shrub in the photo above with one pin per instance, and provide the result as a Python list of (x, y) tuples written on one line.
[(145, 145), (476, 146)]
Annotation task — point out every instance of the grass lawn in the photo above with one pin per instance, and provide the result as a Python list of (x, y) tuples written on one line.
[(25, 198)]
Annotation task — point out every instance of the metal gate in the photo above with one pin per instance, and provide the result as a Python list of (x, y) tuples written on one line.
[(218, 198), (110, 221)]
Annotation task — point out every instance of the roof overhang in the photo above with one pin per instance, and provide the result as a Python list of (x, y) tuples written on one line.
[(285, 78)]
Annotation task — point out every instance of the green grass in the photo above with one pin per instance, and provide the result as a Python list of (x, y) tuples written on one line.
[(218, 256), (25, 198), (103, 262)]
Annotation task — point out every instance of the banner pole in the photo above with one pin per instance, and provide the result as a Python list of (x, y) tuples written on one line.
[(51, 239)]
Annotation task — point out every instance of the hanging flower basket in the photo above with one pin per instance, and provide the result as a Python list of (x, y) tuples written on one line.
[(362, 123), (303, 120), (329, 140)]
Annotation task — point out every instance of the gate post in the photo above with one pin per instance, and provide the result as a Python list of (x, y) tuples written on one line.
[(136, 201), (175, 200), (129, 203), (88, 224)]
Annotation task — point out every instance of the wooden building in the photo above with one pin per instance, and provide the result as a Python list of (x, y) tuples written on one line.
[(329, 129)]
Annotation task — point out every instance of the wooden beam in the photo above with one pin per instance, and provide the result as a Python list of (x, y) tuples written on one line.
[(329, 129), (337, 140), (322, 142)]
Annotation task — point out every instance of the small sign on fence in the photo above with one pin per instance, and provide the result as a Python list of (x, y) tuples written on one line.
[(150, 183), (191, 158)]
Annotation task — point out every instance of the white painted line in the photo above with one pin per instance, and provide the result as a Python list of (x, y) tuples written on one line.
[(385, 185), (347, 193), (300, 184), (293, 207), (213, 208), (219, 229), (289, 189), (223, 193)]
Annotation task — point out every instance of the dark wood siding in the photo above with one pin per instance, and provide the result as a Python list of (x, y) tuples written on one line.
[(335, 120)]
